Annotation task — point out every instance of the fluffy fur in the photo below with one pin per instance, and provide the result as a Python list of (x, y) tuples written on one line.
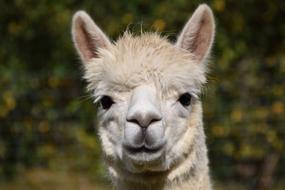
[(150, 62), (136, 60)]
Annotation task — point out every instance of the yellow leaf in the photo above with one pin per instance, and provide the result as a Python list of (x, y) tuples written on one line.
[(228, 149), (159, 25), (261, 113), (127, 18), (218, 131), (236, 115), (9, 100), (278, 107), (219, 5), (43, 127)]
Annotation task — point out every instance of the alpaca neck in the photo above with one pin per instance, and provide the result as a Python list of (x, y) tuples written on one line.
[(201, 182)]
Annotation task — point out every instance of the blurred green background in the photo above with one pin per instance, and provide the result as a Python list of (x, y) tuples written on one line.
[(47, 138)]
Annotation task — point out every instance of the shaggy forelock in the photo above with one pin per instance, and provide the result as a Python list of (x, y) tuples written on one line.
[(134, 60)]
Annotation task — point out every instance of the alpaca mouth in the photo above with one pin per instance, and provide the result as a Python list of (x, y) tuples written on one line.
[(143, 148)]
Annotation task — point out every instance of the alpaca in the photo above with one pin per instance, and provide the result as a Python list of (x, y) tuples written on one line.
[(150, 115)]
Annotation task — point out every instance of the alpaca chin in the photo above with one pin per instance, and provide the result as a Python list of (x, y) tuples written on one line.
[(141, 162)]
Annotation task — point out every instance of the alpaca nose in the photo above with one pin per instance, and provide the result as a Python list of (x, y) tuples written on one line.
[(143, 109), (144, 117)]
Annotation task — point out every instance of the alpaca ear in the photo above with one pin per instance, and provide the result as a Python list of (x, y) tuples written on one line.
[(87, 36), (198, 34)]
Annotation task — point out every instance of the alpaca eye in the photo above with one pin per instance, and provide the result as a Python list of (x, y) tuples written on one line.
[(106, 102), (185, 99)]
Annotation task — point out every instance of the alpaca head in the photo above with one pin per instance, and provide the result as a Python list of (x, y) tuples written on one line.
[(148, 91)]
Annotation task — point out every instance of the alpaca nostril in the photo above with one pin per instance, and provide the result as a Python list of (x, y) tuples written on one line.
[(133, 121), (144, 120), (154, 120)]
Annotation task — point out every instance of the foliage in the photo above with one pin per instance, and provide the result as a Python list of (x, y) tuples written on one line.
[(46, 117)]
